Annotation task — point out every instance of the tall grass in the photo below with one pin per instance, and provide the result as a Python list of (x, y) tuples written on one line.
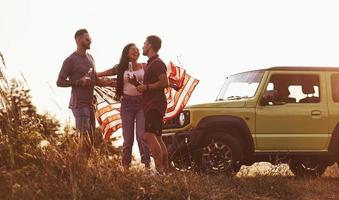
[(56, 174), (3, 83), (21, 127)]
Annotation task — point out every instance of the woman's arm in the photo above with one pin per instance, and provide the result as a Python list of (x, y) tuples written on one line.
[(106, 82), (110, 72)]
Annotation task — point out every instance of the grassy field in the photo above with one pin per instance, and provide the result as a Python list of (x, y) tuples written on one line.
[(55, 174), (29, 171)]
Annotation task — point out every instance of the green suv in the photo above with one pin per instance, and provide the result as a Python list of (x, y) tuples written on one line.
[(279, 115)]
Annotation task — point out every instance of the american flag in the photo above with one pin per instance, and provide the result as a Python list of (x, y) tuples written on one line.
[(178, 94), (182, 86), (107, 111)]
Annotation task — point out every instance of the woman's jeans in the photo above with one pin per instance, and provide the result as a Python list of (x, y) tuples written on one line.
[(132, 115)]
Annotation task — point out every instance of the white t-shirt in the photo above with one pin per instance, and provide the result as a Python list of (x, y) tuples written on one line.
[(130, 89)]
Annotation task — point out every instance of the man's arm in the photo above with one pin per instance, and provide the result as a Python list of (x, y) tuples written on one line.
[(64, 74), (160, 84), (63, 80)]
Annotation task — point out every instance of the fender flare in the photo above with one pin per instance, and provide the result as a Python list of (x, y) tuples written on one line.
[(228, 121), (334, 143)]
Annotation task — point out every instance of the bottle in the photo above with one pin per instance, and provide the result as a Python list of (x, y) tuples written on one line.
[(130, 70), (131, 76), (89, 74), (130, 67)]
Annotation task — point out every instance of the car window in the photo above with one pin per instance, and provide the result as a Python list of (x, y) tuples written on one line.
[(293, 88), (335, 87), (240, 86)]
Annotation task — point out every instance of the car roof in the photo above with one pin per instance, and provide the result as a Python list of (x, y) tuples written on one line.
[(302, 68), (292, 68)]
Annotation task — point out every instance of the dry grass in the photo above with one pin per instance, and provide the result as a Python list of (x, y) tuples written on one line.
[(55, 174)]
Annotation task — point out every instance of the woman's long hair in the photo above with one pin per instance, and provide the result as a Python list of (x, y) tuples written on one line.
[(122, 67)]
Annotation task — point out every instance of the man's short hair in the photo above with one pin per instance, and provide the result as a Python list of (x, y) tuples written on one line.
[(80, 32), (155, 42)]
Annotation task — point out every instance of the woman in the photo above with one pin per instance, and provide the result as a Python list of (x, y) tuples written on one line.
[(131, 103)]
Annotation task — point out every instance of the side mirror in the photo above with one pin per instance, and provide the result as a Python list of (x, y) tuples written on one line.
[(268, 97)]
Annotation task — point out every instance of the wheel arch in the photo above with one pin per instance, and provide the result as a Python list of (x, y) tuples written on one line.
[(334, 142), (238, 126)]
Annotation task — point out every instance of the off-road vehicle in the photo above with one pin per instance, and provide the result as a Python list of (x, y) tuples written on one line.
[(279, 115)]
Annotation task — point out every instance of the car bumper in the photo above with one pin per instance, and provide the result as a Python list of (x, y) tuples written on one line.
[(176, 141)]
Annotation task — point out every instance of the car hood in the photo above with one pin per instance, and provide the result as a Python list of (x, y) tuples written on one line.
[(220, 104)]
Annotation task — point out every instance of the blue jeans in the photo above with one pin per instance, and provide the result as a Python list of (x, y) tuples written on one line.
[(132, 115), (84, 120)]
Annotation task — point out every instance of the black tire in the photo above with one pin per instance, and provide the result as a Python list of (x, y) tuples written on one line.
[(183, 161), (221, 153), (307, 168)]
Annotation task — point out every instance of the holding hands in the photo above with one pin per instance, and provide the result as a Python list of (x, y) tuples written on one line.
[(142, 88)]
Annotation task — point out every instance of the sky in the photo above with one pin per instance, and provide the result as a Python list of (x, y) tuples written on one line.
[(211, 39)]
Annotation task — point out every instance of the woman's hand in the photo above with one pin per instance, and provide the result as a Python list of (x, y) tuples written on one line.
[(141, 88)]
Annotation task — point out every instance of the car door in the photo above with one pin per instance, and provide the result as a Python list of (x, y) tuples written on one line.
[(299, 122), (333, 104)]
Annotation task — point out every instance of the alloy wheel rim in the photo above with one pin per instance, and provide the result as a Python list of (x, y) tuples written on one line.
[(217, 156)]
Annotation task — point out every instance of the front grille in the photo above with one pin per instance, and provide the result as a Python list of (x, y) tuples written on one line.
[(172, 123)]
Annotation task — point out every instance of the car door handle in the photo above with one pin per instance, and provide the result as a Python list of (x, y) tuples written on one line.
[(315, 112)]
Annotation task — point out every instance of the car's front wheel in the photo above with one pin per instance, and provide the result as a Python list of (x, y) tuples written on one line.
[(183, 161), (221, 153)]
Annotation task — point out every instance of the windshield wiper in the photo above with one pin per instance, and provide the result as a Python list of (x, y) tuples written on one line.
[(236, 97)]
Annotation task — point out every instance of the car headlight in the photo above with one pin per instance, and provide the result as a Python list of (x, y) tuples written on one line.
[(182, 118), (179, 121)]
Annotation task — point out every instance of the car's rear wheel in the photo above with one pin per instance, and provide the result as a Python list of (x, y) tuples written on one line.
[(221, 153), (307, 168)]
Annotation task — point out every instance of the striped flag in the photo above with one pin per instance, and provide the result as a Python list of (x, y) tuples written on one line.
[(178, 94), (182, 86), (107, 111)]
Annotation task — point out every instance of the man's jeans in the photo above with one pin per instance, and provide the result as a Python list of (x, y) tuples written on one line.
[(84, 120), (132, 115)]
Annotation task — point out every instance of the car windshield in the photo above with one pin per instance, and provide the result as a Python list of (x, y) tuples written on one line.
[(240, 86)]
